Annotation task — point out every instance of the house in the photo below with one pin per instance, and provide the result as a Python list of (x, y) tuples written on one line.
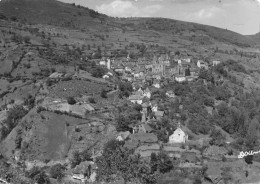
[(180, 78), (119, 69), (188, 60), (201, 64), (154, 107), (103, 62), (159, 114), (156, 83), (147, 150), (147, 93), (157, 68), (148, 66), (106, 63), (145, 107), (105, 76), (139, 92), (178, 136), (85, 171), (215, 63), (190, 78), (122, 136), (142, 128), (136, 99), (109, 73), (170, 94)]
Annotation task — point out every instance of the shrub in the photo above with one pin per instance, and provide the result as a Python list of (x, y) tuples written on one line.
[(57, 171), (75, 159), (18, 139), (38, 175), (91, 100), (27, 39), (71, 100), (208, 101)]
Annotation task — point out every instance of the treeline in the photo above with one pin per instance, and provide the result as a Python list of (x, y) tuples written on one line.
[(120, 163)]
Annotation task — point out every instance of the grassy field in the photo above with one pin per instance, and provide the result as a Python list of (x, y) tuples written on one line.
[(75, 88)]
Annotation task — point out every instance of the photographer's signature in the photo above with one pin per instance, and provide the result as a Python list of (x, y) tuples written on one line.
[(244, 154)]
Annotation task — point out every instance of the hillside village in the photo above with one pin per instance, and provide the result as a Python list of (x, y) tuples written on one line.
[(146, 79), (87, 98)]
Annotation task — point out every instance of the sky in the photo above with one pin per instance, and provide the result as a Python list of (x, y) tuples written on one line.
[(241, 16)]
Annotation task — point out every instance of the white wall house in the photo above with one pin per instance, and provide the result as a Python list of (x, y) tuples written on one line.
[(180, 78), (215, 63), (106, 62), (178, 136)]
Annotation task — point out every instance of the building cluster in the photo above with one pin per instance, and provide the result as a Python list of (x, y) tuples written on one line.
[(159, 68), (145, 77)]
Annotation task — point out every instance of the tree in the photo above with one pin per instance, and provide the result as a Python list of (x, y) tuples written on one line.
[(57, 171), (138, 107), (18, 139), (42, 178), (38, 175), (252, 138), (14, 115), (153, 162), (208, 101), (187, 72), (111, 145), (164, 162), (75, 159), (103, 93), (217, 138), (98, 71), (85, 155)]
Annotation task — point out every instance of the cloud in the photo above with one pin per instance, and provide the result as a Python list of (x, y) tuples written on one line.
[(120, 8), (208, 13)]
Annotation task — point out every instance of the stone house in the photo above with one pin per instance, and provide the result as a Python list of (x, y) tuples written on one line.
[(119, 69), (136, 99), (142, 128), (122, 136), (180, 78), (85, 171), (147, 93), (202, 64), (158, 68), (170, 94), (159, 114)]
